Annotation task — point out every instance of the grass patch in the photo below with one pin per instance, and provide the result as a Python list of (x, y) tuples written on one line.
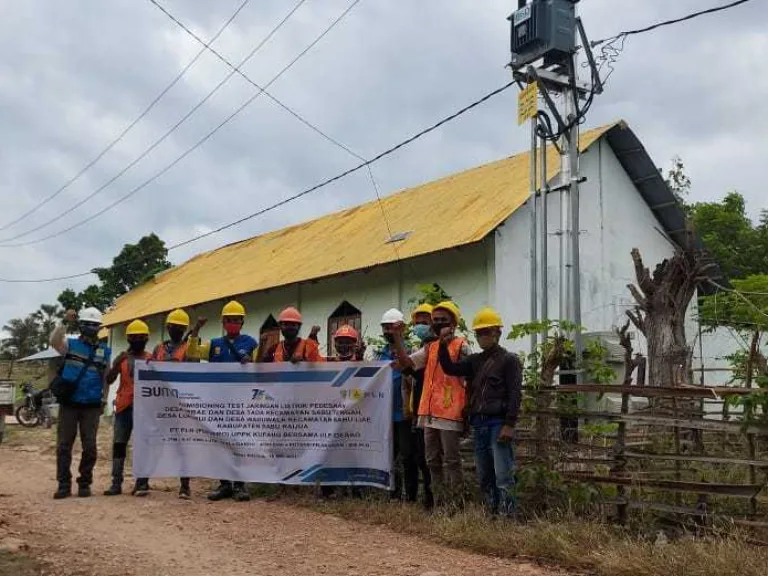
[(575, 544), (20, 564)]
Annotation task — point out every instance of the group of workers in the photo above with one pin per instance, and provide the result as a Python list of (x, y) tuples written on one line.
[(441, 390)]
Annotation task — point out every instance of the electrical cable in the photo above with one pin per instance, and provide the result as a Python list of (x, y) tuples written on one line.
[(318, 186), (290, 111), (154, 145), (128, 128), (199, 143)]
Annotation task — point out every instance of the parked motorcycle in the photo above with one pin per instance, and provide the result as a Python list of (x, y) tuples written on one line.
[(33, 410)]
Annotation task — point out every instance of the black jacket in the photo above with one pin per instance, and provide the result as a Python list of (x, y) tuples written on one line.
[(493, 390)]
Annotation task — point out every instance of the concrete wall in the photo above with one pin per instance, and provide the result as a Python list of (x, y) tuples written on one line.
[(614, 219)]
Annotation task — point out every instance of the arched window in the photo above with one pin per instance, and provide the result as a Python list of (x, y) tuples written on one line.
[(269, 335), (344, 314)]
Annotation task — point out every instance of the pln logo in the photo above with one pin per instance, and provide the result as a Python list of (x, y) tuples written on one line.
[(259, 395), (354, 394)]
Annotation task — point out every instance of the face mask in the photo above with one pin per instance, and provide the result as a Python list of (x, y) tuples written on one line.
[(421, 331), (390, 338), (345, 350), (232, 328), (438, 327), (290, 334), (176, 333), (137, 346), (89, 330)]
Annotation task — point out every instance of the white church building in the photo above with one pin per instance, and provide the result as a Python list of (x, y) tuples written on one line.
[(468, 232)]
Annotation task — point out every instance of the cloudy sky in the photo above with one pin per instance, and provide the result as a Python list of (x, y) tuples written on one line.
[(74, 74)]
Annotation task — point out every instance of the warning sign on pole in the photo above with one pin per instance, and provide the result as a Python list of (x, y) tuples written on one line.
[(527, 103)]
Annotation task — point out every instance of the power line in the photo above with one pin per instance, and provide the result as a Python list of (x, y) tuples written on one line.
[(127, 129), (159, 141), (236, 69), (301, 119), (670, 22), (314, 188)]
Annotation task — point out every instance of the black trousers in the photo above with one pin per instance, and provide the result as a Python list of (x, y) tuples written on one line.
[(405, 466), (72, 419)]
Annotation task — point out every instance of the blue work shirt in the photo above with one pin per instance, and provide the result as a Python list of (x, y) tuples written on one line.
[(90, 388), (398, 413), (243, 344)]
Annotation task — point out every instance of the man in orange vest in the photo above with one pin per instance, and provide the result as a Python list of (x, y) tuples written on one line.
[(175, 350), (137, 334), (292, 348), (441, 408)]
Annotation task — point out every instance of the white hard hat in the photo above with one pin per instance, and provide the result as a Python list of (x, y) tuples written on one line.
[(90, 315), (392, 316)]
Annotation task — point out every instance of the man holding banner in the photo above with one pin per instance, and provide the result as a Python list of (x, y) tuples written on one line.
[(280, 423), (232, 347)]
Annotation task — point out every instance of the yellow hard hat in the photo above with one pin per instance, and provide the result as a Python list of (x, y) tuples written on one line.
[(137, 328), (233, 308), (178, 317), (449, 306), (487, 318), (422, 309)]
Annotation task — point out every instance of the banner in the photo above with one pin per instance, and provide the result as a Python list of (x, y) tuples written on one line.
[(302, 424)]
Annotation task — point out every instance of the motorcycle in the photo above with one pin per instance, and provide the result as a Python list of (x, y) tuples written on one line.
[(33, 411)]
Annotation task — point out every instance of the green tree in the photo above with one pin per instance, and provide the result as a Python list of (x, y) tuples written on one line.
[(735, 242), (23, 339), (679, 182), (70, 300), (134, 265), (46, 318)]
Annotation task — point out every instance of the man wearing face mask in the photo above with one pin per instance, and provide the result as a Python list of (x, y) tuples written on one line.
[(175, 350), (346, 343), (421, 328), (442, 401), (404, 442), (233, 347), (494, 381), (293, 348), (81, 397), (137, 334)]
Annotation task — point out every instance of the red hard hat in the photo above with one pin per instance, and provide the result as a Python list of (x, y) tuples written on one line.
[(346, 331), (290, 314)]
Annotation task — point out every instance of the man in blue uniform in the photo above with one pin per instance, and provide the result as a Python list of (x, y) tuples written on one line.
[(233, 347), (80, 387)]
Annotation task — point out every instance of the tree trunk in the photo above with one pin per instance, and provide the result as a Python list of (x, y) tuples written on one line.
[(661, 303)]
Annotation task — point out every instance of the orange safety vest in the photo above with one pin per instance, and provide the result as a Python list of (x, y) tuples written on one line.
[(306, 351), (125, 390), (178, 355), (443, 396)]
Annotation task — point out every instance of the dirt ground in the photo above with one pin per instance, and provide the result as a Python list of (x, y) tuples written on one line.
[(165, 536)]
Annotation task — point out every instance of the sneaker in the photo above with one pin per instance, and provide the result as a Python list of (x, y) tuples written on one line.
[(141, 489), (184, 493), (62, 492), (240, 494), (84, 492), (223, 492)]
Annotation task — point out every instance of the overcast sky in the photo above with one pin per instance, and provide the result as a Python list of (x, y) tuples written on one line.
[(74, 74)]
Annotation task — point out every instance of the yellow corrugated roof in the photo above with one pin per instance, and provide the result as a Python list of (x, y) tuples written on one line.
[(454, 211)]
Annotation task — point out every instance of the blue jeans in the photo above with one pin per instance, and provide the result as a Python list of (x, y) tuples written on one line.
[(495, 464)]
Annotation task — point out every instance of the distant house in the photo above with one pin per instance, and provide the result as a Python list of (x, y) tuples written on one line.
[(467, 232)]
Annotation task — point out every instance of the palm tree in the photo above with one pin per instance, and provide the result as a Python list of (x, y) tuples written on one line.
[(24, 337), (46, 317)]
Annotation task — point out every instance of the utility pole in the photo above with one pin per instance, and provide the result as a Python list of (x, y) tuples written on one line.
[(546, 37)]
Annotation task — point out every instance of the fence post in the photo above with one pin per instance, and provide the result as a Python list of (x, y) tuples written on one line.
[(752, 473), (620, 462)]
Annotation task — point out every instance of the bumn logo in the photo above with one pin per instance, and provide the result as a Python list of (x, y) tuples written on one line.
[(159, 392)]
